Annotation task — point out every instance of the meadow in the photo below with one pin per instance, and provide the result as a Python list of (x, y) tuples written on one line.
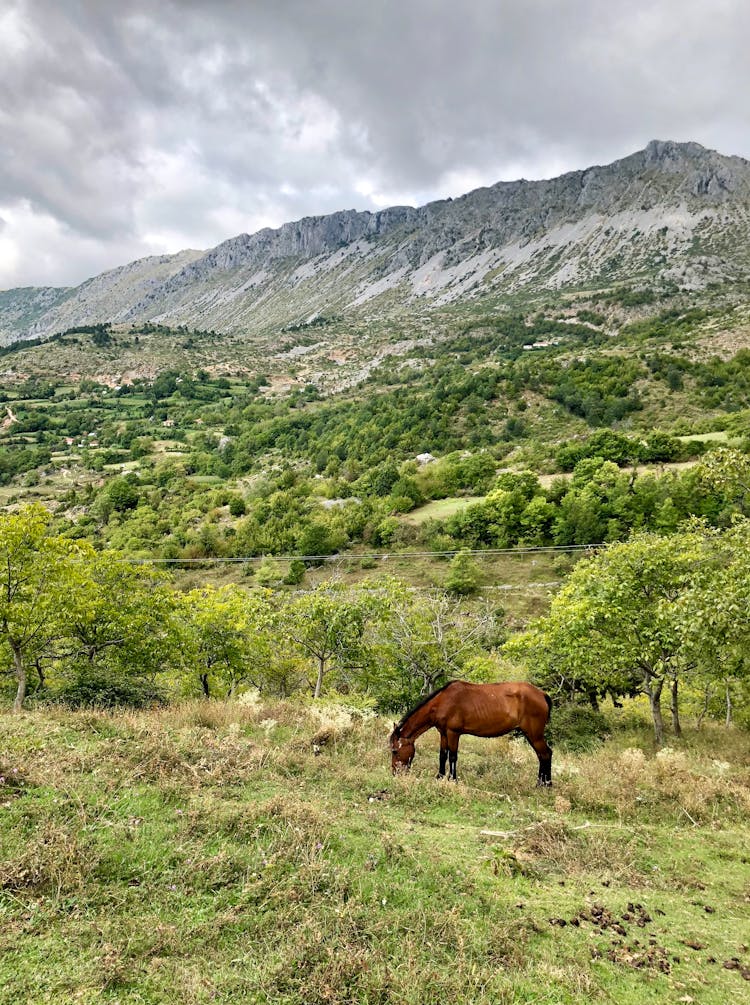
[(263, 852)]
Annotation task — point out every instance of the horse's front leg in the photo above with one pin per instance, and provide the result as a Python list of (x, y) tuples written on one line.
[(452, 739), (443, 754)]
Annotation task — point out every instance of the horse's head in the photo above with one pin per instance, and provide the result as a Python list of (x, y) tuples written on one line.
[(402, 751)]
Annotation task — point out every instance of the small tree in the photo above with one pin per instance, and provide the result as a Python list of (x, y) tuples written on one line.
[(420, 642), (463, 575), (326, 626), (713, 614), (227, 637), (119, 625)]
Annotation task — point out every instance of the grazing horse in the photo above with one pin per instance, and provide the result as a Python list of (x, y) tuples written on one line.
[(480, 710)]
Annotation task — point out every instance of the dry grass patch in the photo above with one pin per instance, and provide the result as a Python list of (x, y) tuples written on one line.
[(554, 846), (52, 859), (701, 789)]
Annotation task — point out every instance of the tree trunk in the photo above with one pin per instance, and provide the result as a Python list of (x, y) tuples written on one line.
[(654, 696), (319, 681), (674, 708), (20, 677), (205, 685), (707, 695), (728, 695), (40, 674)]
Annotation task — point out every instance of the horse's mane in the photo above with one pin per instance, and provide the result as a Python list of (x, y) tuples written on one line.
[(422, 703)]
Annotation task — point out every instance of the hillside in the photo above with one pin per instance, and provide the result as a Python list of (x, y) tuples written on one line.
[(188, 443), (675, 215)]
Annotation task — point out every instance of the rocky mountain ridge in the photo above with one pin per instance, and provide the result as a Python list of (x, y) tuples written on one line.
[(671, 213)]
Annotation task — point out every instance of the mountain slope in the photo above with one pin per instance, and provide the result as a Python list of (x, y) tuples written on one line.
[(672, 213)]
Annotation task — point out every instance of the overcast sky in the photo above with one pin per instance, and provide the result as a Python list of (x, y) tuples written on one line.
[(131, 128)]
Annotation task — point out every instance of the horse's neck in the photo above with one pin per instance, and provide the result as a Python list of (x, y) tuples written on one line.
[(417, 723)]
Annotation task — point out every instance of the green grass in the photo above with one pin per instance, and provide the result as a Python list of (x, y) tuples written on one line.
[(721, 436), (221, 853), (441, 509)]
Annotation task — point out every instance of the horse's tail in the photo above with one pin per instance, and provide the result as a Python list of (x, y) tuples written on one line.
[(549, 705)]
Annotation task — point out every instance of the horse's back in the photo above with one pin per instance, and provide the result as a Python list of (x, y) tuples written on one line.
[(492, 709)]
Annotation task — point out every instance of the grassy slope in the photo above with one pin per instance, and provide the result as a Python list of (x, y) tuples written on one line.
[(263, 854)]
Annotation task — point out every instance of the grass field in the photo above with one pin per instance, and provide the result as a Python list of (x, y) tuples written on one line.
[(441, 509), (264, 853)]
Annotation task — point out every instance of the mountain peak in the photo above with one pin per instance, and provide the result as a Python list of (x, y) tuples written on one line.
[(671, 149)]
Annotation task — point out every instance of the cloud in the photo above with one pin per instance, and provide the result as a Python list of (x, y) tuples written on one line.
[(142, 128)]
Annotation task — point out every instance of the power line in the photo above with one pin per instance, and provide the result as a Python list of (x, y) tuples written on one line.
[(377, 555)]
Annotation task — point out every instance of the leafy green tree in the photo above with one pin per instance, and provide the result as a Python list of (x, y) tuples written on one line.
[(316, 539), (728, 471), (713, 614), (123, 494), (463, 575), (536, 521), (326, 628), (40, 574), (228, 637), (120, 622), (615, 624)]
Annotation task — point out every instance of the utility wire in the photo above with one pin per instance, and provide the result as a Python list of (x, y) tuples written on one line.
[(382, 556)]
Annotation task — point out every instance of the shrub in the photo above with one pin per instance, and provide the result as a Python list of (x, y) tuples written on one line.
[(296, 573), (237, 506), (576, 728), (463, 575), (91, 687)]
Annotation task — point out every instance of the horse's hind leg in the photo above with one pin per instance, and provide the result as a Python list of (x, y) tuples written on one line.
[(544, 753)]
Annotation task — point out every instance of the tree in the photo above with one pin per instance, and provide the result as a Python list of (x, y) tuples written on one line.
[(420, 642), (40, 574), (463, 575), (119, 624), (728, 472), (615, 624), (228, 637), (123, 494), (326, 626), (713, 614)]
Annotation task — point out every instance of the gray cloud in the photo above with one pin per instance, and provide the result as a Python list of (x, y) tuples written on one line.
[(138, 128)]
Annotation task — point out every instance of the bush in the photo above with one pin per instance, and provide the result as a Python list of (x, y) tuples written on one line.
[(576, 728), (237, 506), (463, 575), (91, 688), (296, 572)]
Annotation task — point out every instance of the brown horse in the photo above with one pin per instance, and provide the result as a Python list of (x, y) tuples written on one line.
[(480, 710)]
